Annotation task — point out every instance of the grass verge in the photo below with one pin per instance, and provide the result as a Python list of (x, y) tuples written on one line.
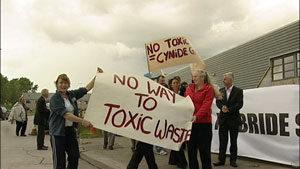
[(85, 133)]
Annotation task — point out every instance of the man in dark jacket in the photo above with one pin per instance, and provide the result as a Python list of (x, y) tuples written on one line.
[(41, 119), (229, 119)]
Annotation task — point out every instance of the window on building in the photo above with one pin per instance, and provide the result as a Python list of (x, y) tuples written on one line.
[(286, 66)]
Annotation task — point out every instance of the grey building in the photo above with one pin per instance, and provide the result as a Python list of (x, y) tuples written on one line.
[(31, 99), (268, 60)]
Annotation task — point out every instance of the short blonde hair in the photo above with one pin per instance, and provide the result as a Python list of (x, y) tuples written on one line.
[(44, 91), (64, 78), (230, 75)]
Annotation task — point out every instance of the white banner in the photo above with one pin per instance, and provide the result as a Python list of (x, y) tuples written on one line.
[(139, 108), (270, 125), (171, 52)]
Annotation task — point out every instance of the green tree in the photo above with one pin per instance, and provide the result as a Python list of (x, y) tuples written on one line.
[(4, 90), (13, 89), (26, 85)]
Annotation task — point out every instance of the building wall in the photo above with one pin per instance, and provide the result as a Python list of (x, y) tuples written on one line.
[(31, 104), (184, 73), (250, 61), (31, 99)]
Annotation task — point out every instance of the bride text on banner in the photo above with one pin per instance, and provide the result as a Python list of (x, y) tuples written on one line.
[(141, 109), (171, 52), (269, 125)]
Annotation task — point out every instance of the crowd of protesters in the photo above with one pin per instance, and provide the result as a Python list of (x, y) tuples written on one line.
[(63, 118), (202, 91)]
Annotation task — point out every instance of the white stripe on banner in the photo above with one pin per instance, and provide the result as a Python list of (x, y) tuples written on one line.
[(270, 125)]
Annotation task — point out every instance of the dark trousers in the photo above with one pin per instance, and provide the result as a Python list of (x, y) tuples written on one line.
[(223, 139), (178, 157), (200, 139), (142, 149), (21, 126), (109, 138), (62, 145), (40, 136)]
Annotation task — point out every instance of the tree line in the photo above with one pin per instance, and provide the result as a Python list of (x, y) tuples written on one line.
[(11, 90)]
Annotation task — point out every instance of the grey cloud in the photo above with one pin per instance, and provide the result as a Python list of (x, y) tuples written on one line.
[(134, 23), (136, 27), (111, 34)]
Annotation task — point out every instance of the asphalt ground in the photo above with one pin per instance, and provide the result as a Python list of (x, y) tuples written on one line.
[(118, 158)]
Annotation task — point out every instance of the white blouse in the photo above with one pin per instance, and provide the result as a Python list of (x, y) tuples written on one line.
[(70, 109)]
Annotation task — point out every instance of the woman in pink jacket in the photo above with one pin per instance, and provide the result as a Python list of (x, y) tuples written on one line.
[(202, 92)]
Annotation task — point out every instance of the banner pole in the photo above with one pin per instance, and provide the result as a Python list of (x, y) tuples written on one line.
[(147, 58), (162, 72)]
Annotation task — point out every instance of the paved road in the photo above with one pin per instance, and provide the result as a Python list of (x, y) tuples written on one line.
[(21, 153), (118, 158)]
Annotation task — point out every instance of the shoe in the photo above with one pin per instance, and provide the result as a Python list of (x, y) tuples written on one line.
[(104, 146), (110, 148), (233, 164), (23, 135), (163, 152), (42, 148), (45, 146), (219, 163)]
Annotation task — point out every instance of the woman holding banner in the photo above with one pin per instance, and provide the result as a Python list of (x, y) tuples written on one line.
[(202, 93), (177, 157), (63, 121)]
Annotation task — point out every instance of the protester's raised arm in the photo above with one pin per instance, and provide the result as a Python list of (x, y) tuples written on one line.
[(90, 85)]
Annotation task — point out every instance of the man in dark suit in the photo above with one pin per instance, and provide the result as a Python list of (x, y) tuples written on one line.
[(41, 118), (229, 119)]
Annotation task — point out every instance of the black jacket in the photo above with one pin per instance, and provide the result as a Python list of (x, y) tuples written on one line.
[(234, 104), (42, 113)]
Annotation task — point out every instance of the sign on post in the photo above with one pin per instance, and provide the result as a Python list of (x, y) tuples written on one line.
[(171, 52)]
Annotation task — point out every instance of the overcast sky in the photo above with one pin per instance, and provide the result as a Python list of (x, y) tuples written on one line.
[(41, 39)]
